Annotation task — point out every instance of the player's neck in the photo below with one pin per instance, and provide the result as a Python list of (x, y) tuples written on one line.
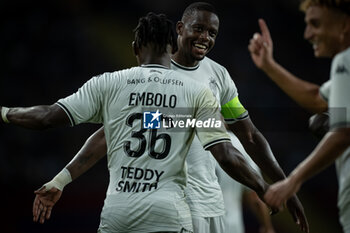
[(163, 60)]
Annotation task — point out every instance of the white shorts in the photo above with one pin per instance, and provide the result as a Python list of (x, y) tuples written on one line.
[(208, 224)]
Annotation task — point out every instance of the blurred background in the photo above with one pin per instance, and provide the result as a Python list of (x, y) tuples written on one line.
[(48, 50)]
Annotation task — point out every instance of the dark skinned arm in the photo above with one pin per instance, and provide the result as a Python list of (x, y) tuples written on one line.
[(92, 151), (38, 117), (258, 148), (233, 163), (47, 116)]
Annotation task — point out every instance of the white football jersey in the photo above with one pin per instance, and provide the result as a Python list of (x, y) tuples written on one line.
[(336, 92), (203, 191), (146, 157)]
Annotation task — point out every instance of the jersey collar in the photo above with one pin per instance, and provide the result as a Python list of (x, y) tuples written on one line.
[(154, 66), (184, 67)]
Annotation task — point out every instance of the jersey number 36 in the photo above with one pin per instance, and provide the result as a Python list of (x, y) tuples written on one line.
[(143, 143)]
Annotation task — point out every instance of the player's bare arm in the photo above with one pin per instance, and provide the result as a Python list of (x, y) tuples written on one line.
[(233, 163), (94, 149), (46, 197), (306, 94), (259, 150), (46, 116), (327, 29), (36, 117), (43, 203), (331, 147)]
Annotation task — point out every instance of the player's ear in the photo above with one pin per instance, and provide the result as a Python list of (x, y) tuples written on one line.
[(179, 27), (135, 48)]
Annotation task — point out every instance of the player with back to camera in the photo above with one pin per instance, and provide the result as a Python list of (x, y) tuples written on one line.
[(328, 30), (197, 32), (157, 202)]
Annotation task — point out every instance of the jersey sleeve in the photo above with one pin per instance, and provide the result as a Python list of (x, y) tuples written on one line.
[(85, 105), (231, 108), (339, 98), (208, 110)]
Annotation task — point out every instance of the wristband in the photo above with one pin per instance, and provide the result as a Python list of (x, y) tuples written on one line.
[(59, 181), (4, 112)]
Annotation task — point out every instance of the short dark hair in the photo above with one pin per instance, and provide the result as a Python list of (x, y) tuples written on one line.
[(340, 5), (156, 30), (199, 6)]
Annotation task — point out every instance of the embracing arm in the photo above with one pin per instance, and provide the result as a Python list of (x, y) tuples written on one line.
[(305, 93), (92, 151), (36, 117), (47, 196)]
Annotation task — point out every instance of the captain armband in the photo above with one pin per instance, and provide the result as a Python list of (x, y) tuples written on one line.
[(233, 110)]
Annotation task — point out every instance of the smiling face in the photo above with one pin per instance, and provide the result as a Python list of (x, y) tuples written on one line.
[(324, 30), (196, 37)]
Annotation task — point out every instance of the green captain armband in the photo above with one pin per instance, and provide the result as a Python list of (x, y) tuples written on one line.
[(232, 109)]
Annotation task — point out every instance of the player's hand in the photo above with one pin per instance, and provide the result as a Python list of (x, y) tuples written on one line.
[(44, 202), (272, 209), (278, 193), (261, 47), (284, 190)]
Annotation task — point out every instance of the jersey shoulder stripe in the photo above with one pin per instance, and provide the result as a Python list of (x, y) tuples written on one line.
[(206, 146), (65, 109)]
